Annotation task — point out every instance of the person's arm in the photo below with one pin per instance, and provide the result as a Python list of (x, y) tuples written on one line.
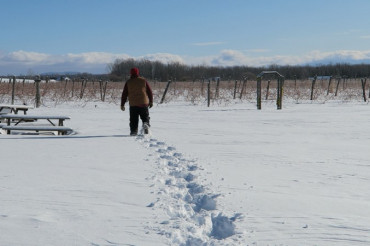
[(124, 95), (149, 92)]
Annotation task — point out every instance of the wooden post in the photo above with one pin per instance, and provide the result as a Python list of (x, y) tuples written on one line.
[(243, 87), (209, 93), (83, 86), (65, 88), (313, 86), (268, 88), (13, 89), (103, 89), (259, 93), (363, 82), (73, 87), (327, 93), (279, 101), (336, 90), (235, 87), (165, 91), (38, 97), (217, 88)]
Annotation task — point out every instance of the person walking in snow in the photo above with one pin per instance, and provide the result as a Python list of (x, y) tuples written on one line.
[(140, 97)]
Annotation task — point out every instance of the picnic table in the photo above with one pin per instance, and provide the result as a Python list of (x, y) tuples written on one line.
[(55, 123), (13, 108)]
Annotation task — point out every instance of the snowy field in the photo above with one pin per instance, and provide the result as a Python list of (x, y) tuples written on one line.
[(224, 175)]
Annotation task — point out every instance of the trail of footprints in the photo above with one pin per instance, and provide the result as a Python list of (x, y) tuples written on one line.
[(191, 206)]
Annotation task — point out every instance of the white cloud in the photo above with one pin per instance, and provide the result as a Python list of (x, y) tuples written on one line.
[(94, 57), (233, 57), (24, 56), (163, 57)]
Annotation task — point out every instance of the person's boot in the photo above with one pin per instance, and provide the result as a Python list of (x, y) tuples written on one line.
[(146, 127)]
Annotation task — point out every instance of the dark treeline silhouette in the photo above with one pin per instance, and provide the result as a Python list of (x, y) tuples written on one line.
[(156, 70)]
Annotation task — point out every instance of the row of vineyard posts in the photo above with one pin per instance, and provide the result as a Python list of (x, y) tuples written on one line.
[(74, 87), (240, 86), (79, 85)]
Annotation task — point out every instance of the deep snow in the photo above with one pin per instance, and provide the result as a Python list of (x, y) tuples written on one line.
[(228, 175)]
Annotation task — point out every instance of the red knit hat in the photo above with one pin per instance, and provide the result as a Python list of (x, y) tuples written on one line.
[(134, 71)]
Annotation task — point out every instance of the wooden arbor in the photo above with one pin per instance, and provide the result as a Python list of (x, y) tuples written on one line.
[(280, 83)]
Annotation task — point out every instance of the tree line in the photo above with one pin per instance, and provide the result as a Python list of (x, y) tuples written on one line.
[(159, 71)]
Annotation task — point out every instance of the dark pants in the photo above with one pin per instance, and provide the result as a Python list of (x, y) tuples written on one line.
[(135, 112)]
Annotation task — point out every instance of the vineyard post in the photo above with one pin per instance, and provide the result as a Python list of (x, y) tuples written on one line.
[(279, 100), (259, 104), (217, 87), (73, 87), (245, 80), (313, 86), (336, 90), (38, 97), (327, 93), (267, 89), (363, 82), (13, 89), (165, 91), (104, 90), (235, 87), (209, 93), (65, 88), (83, 86)]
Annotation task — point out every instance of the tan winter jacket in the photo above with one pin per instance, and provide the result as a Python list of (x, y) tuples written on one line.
[(138, 92)]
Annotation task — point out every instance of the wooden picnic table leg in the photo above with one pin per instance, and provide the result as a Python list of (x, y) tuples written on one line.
[(60, 122), (19, 121), (51, 122), (8, 123)]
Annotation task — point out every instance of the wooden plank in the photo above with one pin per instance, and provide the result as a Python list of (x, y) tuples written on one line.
[(59, 129), (37, 128), (35, 117), (15, 108), (5, 111), (20, 106)]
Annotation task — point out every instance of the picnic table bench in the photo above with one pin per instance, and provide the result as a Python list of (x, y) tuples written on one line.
[(12, 121), (12, 108)]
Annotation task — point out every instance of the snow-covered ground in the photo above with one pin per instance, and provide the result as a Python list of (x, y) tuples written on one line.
[(224, 175)]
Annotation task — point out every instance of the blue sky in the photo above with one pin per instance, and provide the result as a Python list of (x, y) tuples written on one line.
[(85, 35)]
